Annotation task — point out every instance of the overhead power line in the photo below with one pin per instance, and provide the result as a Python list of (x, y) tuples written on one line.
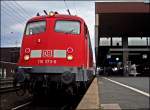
[(10, 16), (9, 12), (67, 7), (75, 7), (14, 10), (22, 9)]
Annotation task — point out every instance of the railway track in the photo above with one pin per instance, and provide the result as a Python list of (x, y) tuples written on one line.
[(53, 102), (8, 89), (56, 100), (6, 86)]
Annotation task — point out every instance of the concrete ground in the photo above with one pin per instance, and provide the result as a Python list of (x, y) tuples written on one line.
[(124, 92)]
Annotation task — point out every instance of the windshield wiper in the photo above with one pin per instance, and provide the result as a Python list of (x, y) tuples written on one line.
[(71, 31)]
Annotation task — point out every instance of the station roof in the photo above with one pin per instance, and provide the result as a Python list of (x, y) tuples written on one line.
[(120, 19), (122, 7), (123, 18)]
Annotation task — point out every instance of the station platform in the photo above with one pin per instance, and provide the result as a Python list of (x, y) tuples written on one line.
[(90, 100)]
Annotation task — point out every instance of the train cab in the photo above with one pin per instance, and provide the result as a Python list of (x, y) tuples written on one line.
[(57, 46)]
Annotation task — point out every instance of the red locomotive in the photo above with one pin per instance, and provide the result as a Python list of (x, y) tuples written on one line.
[(56, 49)]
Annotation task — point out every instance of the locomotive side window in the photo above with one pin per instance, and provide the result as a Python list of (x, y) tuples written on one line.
[(69, 27), (35, 27)]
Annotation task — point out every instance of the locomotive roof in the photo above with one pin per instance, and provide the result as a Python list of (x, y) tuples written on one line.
[(74, 17)]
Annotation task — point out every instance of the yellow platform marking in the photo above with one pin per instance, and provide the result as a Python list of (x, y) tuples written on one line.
[(90, 100)]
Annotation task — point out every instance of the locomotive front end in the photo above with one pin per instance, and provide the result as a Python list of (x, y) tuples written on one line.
[(54, 52)]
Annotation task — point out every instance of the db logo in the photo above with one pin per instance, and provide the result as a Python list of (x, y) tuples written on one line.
[(47, 53)]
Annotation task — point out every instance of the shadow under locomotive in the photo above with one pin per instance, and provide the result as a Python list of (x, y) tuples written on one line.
[(44, 84)]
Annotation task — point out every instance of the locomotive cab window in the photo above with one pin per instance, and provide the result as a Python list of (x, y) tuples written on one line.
[(68, 27), (35, 27)]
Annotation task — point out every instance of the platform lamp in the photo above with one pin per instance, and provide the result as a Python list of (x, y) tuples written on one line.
[(144, 56)]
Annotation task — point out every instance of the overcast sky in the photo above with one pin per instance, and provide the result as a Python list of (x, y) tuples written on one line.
[(14, 15)]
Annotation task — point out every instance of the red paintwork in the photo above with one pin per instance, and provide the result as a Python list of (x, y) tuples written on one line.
[(56, 40)]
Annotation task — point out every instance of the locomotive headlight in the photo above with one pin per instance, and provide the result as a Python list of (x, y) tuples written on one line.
[(26, 57), (51, 13), (69, 57)]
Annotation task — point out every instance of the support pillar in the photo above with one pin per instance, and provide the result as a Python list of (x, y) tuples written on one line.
[(96, 37), (111, 41), (125, 55)]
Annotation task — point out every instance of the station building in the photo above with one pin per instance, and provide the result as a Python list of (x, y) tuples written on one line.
[(9, 54), (8, 59), (122, 33)]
